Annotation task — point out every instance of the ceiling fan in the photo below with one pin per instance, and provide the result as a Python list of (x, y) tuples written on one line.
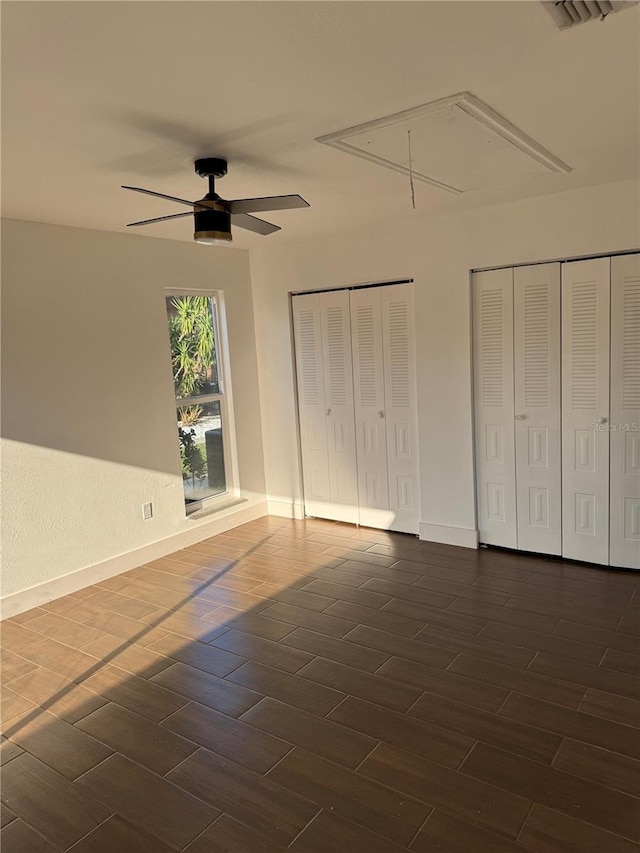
[(214, 216)]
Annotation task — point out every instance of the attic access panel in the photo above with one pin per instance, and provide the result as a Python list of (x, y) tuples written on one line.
[(458, 144)]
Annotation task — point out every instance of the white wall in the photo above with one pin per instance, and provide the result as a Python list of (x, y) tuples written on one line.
[(88, 416), (438, 252)]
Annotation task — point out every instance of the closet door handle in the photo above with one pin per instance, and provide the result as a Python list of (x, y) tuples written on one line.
[(602, 420), (328, 412), (381, 414), (521, 417)]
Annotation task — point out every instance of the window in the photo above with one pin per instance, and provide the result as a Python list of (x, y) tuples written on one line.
[(203, 405)]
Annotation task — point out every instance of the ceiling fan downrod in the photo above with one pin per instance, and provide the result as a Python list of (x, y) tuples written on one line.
[(211, 168)]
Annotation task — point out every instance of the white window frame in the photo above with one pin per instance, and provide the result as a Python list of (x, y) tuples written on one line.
[(224, 396)]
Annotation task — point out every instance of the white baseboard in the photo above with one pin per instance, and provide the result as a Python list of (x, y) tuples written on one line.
[(18, 602), (463, 536), (285, 509)]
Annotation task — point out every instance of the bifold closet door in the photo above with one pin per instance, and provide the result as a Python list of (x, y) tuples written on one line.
[(325, 401), (494, 407), (355, 364), (517, 400), (624, 436), (585, 409), (383, 336), (536, 293)]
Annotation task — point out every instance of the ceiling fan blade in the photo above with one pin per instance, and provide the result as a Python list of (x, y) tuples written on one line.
[(274, 202), (252, 223), (160, 195), (159, 219)]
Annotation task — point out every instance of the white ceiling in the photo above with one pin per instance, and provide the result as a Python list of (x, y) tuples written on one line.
[(99, 94)]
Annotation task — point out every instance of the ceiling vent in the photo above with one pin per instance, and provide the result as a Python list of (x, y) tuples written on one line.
[(568, 13), (457, 144)]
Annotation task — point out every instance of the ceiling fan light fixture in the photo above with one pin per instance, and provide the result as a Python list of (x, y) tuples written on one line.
[(212, 227), (212, 238)]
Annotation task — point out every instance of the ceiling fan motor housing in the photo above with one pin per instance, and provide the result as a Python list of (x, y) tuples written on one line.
[(212, 225)]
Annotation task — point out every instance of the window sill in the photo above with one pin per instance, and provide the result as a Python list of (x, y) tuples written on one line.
[(205, 511)]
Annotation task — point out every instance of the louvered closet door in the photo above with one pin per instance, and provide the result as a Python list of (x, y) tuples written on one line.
[(585, 410), (536, 293), (338, 385), (311, 404), (401, 412), (369, 399), (494, 401), (625, 412)]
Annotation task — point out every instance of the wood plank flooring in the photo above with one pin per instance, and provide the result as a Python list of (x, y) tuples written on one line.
[(315, 687)]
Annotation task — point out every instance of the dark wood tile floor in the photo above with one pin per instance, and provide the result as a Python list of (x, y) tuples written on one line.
[(313, 687)]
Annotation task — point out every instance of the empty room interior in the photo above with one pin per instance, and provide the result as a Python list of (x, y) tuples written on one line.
[(320, 427)]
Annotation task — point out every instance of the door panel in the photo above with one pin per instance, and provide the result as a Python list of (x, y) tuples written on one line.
[(585, 409), (536, 293), (311, 403), (400, 411), (494, 406), (625, 411), (338, 394), (369, 400), (538, 500)]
